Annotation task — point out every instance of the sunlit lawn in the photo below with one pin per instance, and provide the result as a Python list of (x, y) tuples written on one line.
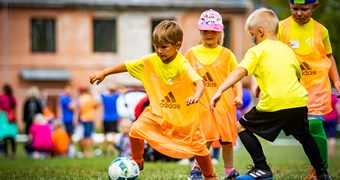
[(287, 162)]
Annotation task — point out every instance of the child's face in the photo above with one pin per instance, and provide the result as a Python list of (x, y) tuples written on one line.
[(210, 39), (167, 52), (301, 13)]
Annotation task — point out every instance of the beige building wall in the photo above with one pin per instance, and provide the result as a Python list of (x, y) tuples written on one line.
[(74, 46)]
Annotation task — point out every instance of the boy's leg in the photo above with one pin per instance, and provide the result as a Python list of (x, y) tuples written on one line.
[(206, 166), (317, 130), (254, 148), (312, 151), (137, 151), (228, 160)]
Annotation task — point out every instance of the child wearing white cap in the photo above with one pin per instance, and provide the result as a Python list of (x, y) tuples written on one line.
[(214, 63)]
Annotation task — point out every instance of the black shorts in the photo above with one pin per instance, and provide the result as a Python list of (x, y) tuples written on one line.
[(111, 126), (268, 125)]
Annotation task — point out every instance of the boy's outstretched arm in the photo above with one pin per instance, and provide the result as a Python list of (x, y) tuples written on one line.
[(100, 75), (238, 102), (333, 73), (198, 93), (235, 76)]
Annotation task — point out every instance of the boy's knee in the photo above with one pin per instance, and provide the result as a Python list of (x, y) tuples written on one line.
[(239, 127)]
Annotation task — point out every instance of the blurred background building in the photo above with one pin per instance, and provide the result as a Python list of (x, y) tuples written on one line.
[(50, 43)]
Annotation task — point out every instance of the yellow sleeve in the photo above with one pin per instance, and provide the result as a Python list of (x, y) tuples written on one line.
[(279, 32), (326, 41), (192, 73), (135, 68), (233, 61)]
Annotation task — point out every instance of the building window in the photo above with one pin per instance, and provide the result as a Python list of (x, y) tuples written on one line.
[(226, 31), (43, 35), (104, 34), (154, 23)]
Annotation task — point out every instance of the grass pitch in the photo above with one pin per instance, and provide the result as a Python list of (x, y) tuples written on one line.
[(287, 162)]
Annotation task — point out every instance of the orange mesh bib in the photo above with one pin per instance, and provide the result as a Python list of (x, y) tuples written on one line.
[(220, 123), (315, 68), (168, 124)]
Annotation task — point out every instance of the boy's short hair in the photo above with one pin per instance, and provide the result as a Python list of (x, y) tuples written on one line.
[(264, 18), (167, 32), (302, 1)]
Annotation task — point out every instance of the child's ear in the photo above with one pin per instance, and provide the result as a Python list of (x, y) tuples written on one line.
[(178, 45), (315, 5), (261, 32)]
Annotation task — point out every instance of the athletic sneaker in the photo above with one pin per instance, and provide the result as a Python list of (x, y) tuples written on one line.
[(324, 176), (141, 165), (255, 173), (232, 175), (195, 174)]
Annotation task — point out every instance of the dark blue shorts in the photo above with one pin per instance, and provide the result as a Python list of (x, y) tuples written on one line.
[(111, 126), (69, 128), (88, 129), (330, 128)]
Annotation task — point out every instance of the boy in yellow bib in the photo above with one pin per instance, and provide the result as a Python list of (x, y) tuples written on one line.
[(214, 63), (311, 44), (171, 124), (283, 104)]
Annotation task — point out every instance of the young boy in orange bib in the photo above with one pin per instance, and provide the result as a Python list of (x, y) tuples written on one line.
[(311, 44), (171, 124)]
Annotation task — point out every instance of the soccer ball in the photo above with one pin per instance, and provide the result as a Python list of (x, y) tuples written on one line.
[(123, 168)]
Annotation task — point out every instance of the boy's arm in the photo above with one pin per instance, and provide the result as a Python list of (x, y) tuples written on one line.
[(100, 75), (198, 92), (235, 76), (333, 73), (238, 102)]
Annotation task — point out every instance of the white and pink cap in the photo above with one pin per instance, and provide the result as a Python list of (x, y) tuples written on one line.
[(210, 20)]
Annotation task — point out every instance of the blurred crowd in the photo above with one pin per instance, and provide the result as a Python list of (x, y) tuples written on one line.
[(71, 134)]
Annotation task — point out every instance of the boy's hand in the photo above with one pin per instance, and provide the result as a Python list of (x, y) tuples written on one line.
[(98, 76), (215, 99), (191, 100), (238, 102)]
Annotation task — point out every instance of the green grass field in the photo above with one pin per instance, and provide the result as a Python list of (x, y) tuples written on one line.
[(287, 162)]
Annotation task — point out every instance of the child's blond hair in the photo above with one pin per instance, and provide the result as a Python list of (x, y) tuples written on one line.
[(167, 32), (263, 18)]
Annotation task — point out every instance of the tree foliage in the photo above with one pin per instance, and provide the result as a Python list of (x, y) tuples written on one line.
[(327, 13)]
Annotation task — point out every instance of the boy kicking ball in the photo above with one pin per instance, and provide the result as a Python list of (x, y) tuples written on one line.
[(283, 105)]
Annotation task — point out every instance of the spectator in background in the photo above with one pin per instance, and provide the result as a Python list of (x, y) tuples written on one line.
[(60, 139), (40, 138), (8, 104), (32, 106), (330, 123), (123, 141), (110, 116), (7, 131), (68, 107), (87, 113)]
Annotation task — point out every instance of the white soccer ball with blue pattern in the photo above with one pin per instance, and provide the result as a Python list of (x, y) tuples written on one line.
[(123, 168)]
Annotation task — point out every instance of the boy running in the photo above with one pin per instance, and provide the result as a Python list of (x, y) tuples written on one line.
[(171, 124), (283, 105)]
